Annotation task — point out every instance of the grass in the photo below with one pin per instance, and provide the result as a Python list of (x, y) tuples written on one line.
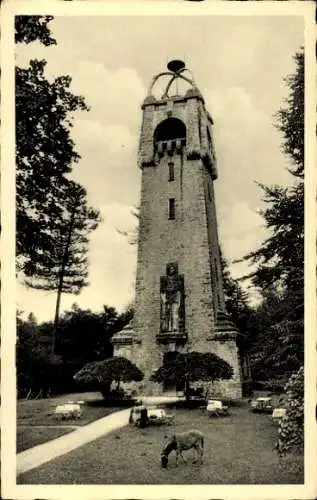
[(27, 437), (238, 450), (36, 423), (41, 411)]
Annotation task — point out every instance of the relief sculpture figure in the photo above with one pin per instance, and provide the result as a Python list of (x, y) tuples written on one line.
[(174, 314), (172, 286), (163, 312)]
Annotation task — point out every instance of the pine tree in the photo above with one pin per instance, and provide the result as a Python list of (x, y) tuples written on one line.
[(237, 301), (291, 118), (279, 261), (65, 267)]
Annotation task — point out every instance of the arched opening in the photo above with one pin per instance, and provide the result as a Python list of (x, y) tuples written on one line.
[(170, 129)]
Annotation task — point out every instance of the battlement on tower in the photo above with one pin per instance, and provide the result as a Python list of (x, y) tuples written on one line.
[(197, 140)]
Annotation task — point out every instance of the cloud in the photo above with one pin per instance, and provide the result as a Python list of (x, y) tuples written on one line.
[(242, 133), (239, 124), (241, 228), (239, 218), (107, 136), (108, 93), (235, 105), (114, 95), (112, 263), (112, 259), (108, 166), (116, 214), (242, 83), (96, 137)]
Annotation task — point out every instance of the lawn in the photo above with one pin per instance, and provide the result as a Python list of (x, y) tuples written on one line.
[(36, 423), (238, 450), (27, 437), (41, 411)]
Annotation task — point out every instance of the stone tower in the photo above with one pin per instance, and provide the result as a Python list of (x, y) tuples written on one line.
[(179, 299)]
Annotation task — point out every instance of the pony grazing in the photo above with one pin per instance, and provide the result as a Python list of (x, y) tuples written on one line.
[(183, 441)]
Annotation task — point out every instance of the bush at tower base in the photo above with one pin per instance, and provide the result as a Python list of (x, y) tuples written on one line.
[(291, 428)]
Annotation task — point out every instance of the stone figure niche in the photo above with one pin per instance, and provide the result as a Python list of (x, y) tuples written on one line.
[(172, 300)]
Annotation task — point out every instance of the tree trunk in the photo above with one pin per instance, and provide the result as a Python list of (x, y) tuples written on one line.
[(61, 278), (207, 391), (56, 317), (187, 390)]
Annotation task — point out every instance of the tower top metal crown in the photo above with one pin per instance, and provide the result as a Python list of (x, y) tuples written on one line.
[(176, 68)]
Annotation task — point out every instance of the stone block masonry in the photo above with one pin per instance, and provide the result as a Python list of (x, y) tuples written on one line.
[(177, 224)]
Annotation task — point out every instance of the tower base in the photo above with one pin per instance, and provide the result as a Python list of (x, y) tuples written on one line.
[(222, 343)]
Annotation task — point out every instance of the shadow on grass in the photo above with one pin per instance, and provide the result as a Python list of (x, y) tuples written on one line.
[(199, 403), (112, 403)]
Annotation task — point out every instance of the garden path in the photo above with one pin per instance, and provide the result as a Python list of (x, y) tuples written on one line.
[(43, 453)]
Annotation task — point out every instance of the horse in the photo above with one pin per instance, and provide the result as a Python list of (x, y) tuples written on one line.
[(183, 441)]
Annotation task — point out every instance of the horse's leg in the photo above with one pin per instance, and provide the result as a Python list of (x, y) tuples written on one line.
[(196, 449), (201, 453), (177, 453), (181, 454)]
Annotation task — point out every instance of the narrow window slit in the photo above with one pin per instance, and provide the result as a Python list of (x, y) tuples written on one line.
[(171, 175), (171, 208)]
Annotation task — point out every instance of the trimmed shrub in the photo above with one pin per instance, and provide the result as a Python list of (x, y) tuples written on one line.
[(103, 373)]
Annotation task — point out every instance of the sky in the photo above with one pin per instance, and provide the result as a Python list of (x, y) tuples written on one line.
[(238, 63)]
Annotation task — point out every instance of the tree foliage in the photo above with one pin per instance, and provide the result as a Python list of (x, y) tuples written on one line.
[(64, 267), (291, 117), (132, 234), (83, 336), (279, 261), (191, 367), (278, 351), (45, 151), (102, 373), (291, 428), (237, 303), (280, 258), (37, 367), (31, 28)]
